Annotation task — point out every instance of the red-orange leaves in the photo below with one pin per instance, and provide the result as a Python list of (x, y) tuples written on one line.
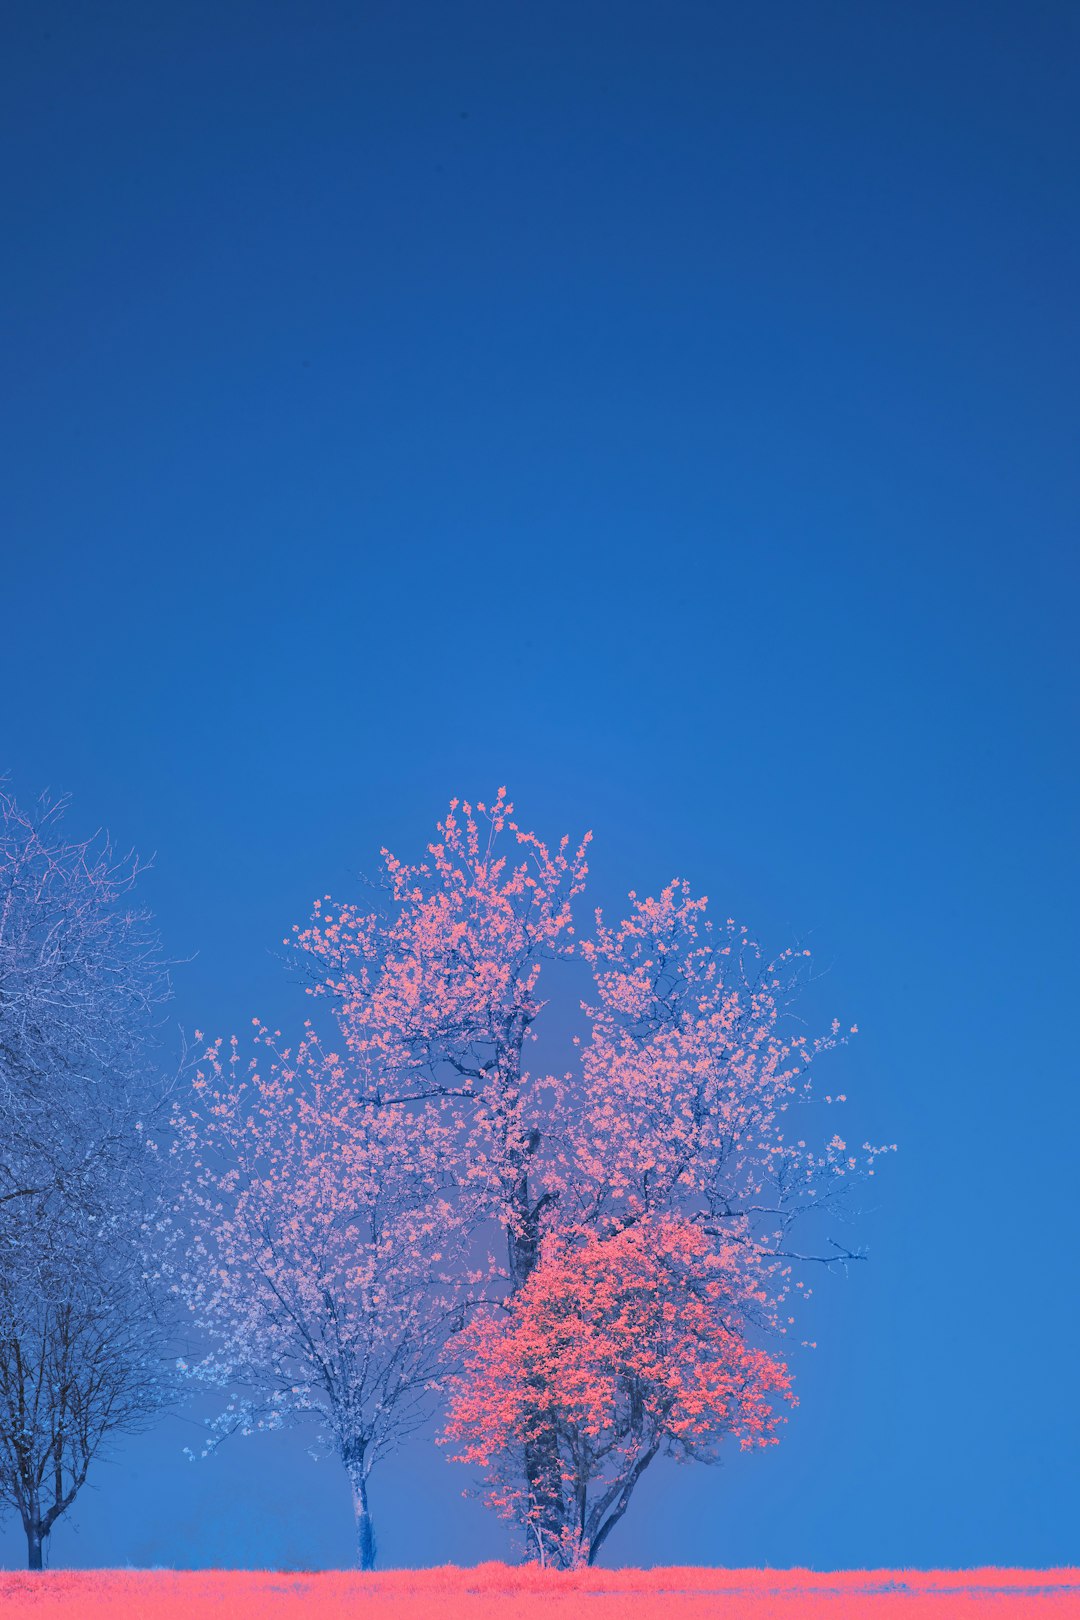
[(620, 1347)]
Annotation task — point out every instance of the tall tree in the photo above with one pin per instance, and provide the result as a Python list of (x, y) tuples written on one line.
[(677, 1100), (80, 1321), (318, 1252)]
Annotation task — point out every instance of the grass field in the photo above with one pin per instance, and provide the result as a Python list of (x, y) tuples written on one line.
[(527, 1594)]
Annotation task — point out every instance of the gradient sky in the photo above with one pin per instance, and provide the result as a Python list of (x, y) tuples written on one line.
[(668, 410)]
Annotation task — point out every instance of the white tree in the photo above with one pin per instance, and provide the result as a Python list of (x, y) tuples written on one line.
[(315, 1245)]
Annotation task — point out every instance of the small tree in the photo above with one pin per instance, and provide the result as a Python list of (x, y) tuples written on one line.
[(80, 1323), (621, 1348), (314, 1246)]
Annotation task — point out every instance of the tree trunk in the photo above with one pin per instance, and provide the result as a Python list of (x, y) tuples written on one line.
[(543, 1475), (365, 1529), (543, 1471), (35, 1543), (622, 1502)]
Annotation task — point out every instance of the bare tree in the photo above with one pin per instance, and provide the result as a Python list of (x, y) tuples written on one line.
[(81, 1328), (80, 1359)]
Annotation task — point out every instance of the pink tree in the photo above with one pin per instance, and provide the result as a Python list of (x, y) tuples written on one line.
[(314, 1244), (619, 1348), (678, 1105), (436, 999)]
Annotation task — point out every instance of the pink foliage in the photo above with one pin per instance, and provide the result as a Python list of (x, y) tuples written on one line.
[(437, 999), (620, 1347)]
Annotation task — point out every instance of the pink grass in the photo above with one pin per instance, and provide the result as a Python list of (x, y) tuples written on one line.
[(500, 1590)]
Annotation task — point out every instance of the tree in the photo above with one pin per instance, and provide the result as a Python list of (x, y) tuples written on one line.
[(621, 1348), (80, 1322), (80, 1357), (314, 1248), (675, 1106)]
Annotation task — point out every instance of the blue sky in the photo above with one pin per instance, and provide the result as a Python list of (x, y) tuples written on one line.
[(669, 411)]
